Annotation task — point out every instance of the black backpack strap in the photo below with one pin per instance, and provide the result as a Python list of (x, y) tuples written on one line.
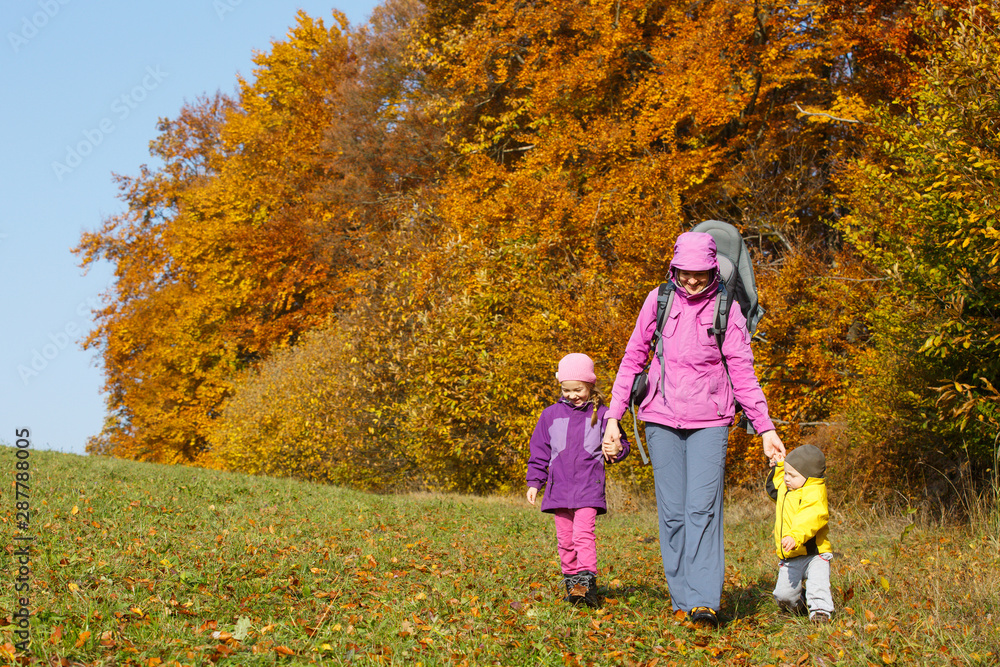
[(664, 301), (723, 303)]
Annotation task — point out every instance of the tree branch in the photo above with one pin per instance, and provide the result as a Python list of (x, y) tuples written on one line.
[(820, 113)]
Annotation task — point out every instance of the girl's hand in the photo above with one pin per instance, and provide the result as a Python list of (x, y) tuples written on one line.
[(774, 449), (611, 450), (788, 543), (532, 492)]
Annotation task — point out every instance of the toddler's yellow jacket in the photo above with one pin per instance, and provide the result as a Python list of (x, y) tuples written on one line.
[(801, 513)]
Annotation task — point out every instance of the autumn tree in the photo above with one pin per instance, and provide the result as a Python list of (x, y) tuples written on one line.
[(365, 268), (925, 214), (591, 134), (215, 260), (333, 407)]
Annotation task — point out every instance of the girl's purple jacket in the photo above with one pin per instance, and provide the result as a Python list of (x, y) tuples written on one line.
[(566, 458)]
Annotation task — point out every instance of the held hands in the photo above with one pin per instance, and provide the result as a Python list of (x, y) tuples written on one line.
[(611, 450), (788, 543), (774, 449), (532, 492), (612, 435), (611, 445)]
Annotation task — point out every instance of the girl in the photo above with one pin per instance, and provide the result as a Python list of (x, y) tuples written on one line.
[(567, 458), (688, 411)]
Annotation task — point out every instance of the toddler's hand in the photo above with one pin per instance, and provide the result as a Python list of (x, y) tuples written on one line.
[(532, 492), (788, 543)]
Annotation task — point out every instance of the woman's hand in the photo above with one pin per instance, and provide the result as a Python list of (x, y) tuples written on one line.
[(774, 449), (612, 437)]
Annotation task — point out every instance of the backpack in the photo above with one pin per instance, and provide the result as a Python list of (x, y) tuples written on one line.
[(736, 282)]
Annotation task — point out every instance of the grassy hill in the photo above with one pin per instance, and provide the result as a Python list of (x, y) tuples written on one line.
[(140, 564)]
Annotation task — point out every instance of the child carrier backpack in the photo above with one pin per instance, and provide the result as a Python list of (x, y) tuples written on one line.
[(736, 283)]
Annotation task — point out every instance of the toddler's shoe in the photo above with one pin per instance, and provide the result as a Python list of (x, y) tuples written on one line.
[(819, 617), (799, 609)]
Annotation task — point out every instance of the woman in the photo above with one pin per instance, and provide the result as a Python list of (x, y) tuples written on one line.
[(688, 411)]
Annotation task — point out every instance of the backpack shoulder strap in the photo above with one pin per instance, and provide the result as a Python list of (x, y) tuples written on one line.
[(723, 302), (664, 302)]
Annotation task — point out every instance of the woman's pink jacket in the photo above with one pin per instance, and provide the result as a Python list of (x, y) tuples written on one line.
[(696, 392)]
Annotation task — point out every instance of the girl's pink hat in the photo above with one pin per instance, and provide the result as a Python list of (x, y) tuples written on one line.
[(576, 367)]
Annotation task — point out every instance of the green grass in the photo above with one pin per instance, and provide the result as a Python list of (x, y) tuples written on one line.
[(139, 564)]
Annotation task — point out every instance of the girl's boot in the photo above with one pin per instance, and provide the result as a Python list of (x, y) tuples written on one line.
[(576, 588), (591, 597)]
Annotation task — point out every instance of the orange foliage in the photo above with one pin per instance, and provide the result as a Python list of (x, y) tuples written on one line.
[(452, 200), (214, 260)]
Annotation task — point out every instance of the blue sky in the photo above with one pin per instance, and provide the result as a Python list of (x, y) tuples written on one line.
[(83, 85)]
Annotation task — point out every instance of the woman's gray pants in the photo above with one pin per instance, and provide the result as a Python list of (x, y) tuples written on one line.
[(689, 469)]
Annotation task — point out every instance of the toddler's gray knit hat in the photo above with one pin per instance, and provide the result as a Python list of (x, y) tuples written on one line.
[(808, 460)]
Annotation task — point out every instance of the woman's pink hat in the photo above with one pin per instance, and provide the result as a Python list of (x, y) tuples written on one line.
[(576, 367)]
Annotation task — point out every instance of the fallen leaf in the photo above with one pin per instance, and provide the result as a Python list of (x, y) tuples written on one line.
[(82, 639), (283, 650), (242, 628)]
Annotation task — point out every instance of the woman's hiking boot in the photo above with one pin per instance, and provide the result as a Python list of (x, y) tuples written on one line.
[(704, 617)]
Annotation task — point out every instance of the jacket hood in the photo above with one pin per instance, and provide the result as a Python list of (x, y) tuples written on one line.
[(694, 251)]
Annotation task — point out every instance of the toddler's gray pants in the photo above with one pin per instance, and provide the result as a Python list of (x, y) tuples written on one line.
[(811, 573)]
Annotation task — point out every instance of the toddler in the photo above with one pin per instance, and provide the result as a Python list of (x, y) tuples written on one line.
[(800, 533)]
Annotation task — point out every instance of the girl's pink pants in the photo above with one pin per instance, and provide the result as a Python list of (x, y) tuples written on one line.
[(575, 536)]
